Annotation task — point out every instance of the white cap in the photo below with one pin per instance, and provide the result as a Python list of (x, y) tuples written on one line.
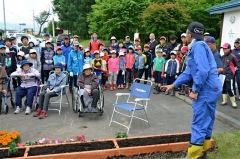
[(113, 38), (7, 50), (87, 66), (173, 52), (113, 52), (32, 51), (206, 34), (20, 53), (183, 35), (48, 41), (86, 50), (101, 54), (121, 53)]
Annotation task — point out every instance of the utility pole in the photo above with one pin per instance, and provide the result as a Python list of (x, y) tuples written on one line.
[(4, 18), (33, 22), (53, 28)]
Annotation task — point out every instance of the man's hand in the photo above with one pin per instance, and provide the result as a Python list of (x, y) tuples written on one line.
[(193, 95), (167, 88)]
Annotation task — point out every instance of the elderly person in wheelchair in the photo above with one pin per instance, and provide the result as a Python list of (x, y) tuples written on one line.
[(89, 93), (29, 83), (53, 88)]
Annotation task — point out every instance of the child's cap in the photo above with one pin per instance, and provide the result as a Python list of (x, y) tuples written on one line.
[(159, 51), (86, 50), (58, 48), (32, 51), (131, 47), (121, 53), (138, 39), (146, 46), (101, 54), (20, 53), (113, 52), (184, 49), (96, 52), (173, 52)]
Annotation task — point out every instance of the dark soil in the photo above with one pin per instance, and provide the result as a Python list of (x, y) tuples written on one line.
[(153, 140), (66, 148), (4, 153), (167, 155)]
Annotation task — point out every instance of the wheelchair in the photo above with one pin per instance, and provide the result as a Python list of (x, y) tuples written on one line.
[(77, 103), (4, 107)]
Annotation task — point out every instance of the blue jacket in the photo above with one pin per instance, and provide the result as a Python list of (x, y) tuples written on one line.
[(66, 51), (201, 68), (59, 59), (218, 59), (172, 67), (55, 82), (75, 62)]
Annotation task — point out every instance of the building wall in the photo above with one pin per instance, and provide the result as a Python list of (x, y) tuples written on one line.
[(231, 27)]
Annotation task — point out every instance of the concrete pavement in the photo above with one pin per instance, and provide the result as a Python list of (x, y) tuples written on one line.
[(166, 114)]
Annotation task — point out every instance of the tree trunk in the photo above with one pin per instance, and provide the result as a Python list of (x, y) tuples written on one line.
[(40, 29)]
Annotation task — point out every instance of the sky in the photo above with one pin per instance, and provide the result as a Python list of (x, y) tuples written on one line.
[(21, 11)]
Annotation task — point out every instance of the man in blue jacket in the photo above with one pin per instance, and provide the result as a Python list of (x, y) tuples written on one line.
[(206, 89), (75, 65), (66, 49)]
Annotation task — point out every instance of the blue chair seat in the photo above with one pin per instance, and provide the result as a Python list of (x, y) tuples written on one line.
[(128, 106)]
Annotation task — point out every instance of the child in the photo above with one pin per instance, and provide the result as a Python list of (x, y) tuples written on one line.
[(158, 70), (33, 58), (121, 73), (87, 56), (130, 60), (148, 64), (140, 63), (59, 57), (20, 58), (46, 60), (171, 70), (113, 68), (98, 65)]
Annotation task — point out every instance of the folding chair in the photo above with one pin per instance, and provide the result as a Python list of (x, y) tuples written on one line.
[(59, 100), (140, 92)]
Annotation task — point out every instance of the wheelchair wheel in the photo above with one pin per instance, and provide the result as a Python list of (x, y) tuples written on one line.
[(75, 100)]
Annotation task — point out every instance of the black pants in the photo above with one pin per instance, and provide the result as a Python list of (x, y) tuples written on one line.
[(120, 77), (45, 75), (170, 79), (228, 88), (129, 75), (73, 81), (104, 79)]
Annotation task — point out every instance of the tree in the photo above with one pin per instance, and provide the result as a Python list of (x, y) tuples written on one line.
[(118, 18), (73, 15), (165, 18), (42, 19), (50, 26)]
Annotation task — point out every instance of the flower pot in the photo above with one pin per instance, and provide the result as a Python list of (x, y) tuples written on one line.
[(151, 144), (5, 154), (95, 149)]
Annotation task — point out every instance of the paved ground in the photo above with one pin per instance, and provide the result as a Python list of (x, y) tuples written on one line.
[(167, 114)]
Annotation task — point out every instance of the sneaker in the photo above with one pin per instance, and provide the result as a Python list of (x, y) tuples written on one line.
[(18, 110), (94, 110), (166, 93), (28, 111), (122, 86), (43, 114), (119, 86), (37, 112)]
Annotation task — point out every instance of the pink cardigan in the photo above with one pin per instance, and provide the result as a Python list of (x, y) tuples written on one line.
[(130, 60), (113, 65)]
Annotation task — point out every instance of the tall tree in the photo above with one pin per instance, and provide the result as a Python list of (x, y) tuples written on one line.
[(41, 19), (73, 15), (118, 18), (165, 18)]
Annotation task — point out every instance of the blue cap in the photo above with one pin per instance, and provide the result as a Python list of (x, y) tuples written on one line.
[(2, 46), (210, 39), (24, 62), (131, 47), (58, 65)]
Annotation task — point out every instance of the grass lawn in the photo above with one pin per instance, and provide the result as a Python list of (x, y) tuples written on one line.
[(228, 146)]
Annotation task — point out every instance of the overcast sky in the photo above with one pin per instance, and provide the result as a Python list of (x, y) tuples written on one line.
[(21, 11)]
